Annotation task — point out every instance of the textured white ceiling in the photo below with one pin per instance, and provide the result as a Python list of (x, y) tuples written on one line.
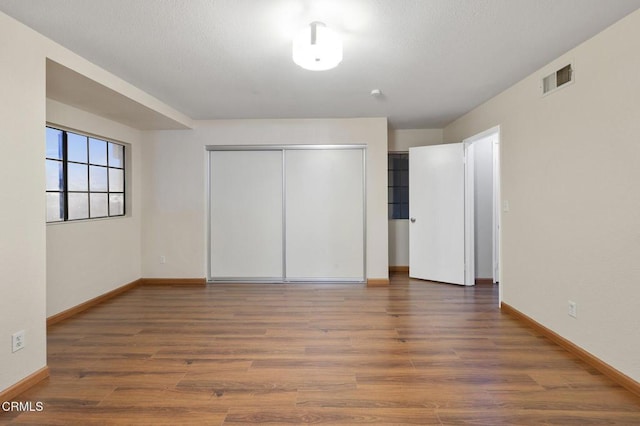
[(434, 60)]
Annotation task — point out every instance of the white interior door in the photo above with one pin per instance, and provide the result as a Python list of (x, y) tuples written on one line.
[(437, 213), (325, 214), (246, 197)]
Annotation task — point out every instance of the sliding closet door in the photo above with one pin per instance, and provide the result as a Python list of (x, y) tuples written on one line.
[(324, 214), (246, 209)]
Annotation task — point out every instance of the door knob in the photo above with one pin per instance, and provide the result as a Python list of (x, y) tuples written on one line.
[(413, 220)]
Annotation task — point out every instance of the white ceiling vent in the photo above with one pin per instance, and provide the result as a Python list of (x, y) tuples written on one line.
[(558, 79)]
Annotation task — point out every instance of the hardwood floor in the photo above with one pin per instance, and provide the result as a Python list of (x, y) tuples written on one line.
[(411, 353)]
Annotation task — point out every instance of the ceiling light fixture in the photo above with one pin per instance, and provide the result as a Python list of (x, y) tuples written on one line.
[(317, 48)]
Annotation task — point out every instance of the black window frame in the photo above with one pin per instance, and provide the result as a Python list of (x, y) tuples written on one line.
[(64, 190), (398, 185)]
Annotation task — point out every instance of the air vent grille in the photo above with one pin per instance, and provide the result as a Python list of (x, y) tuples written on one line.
[(557, 79)]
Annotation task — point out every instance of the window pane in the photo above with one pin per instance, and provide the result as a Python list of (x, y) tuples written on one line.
[(397, 177), (76, 147), (78, 177), (116, 204), (397, 211), (55, 208), (55, 178), (99, 205), (402, 195), (85, 176), (404, 211), (398, 192), (98, 178), (78, 206), (97, 152), (54, 143), (404, 178), (116, 155), (395, 163), (116, 180), (399, 161)]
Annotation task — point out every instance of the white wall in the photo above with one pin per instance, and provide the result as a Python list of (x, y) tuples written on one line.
[(86, 259), (483, 207), (175, 185), (400, 141), (22, 219), (569, 166), (24, 235)]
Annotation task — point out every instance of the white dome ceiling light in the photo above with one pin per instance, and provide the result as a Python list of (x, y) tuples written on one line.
[(317, 48)]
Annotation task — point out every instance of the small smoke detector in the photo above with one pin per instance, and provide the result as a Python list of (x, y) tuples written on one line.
[(376, 93)]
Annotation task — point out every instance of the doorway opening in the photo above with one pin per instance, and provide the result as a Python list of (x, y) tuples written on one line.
[(482, 202)]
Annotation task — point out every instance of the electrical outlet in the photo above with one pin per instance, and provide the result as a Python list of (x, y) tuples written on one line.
[(573, 309), (17, 341), (163, 260)]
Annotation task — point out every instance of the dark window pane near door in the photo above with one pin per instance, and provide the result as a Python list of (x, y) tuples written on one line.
[(398, 185)]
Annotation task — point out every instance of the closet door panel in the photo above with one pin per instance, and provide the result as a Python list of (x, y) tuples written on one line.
[(246, 222), (324, 214)]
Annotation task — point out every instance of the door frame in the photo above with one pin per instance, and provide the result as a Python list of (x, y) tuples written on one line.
[(469, 201), (469, 213)]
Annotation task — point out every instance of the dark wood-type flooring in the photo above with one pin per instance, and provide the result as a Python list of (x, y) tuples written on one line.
[(411, 353)]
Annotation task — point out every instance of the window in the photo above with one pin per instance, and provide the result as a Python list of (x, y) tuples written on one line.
[(398, 185), (85, 177)]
